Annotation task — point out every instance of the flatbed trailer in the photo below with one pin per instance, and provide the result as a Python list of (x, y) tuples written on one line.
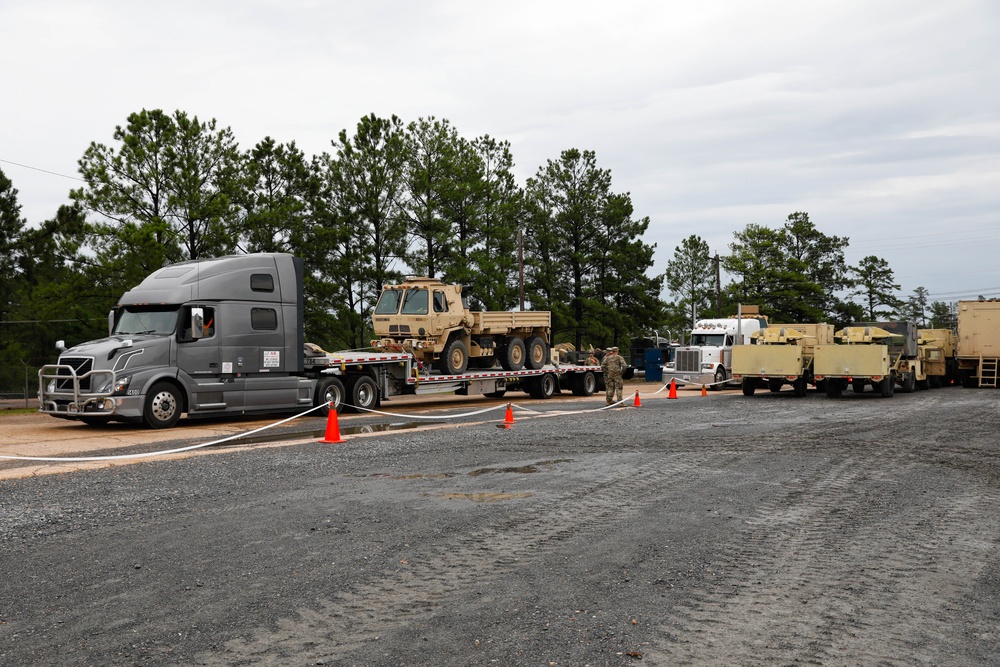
[(365, 379)]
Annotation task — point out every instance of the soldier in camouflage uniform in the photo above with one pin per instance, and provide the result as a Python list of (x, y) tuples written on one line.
[(613, 365)]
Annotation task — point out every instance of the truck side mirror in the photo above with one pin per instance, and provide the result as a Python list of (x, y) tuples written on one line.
[(197, 323), (61, 345)]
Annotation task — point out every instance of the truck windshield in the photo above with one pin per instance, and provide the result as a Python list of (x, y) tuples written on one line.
[(415, 302), (710, 340), (388, 303), (133, 320)]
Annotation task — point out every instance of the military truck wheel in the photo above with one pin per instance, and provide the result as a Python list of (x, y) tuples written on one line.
[(887, 386), (774, 385), (329, 390), (799, 386), (163, 406), (833, 388), (858, 386), (364, 393), (908, 384), (538, 352), (543, 387), (454, 358), (720, 378), (512, 357), (749, 386), (585, 385)]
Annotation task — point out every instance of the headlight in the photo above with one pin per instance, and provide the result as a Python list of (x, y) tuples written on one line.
[(706, 366), (115, 385)]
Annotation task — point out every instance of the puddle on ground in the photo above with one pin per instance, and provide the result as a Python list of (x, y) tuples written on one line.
[(484, 497), (533, 467)]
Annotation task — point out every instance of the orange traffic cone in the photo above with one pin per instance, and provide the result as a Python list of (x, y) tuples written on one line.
[(704, 392), (673, 389), (332, 428), (637, 404), (509, 417)]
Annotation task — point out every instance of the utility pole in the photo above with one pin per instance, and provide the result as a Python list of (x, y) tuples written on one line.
[(718, 285)]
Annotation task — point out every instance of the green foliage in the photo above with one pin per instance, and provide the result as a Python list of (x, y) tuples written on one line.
[(691, 276), (875, 285)]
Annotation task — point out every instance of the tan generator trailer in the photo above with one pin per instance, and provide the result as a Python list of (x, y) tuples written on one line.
[(880, 354), (978, 342), (780, 354), (432, 321)]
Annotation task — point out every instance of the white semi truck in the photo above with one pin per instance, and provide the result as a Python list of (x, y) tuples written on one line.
[(707, 359), (225, 336)]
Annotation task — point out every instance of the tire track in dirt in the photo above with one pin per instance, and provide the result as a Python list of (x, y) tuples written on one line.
[(842, 546), (336, 629)]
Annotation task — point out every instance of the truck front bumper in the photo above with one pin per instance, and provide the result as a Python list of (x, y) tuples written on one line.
[(688, 377)]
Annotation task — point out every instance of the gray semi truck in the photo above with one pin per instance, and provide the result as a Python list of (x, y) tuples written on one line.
[(224, 336)]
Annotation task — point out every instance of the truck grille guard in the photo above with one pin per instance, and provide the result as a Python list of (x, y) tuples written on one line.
[(72, 388)]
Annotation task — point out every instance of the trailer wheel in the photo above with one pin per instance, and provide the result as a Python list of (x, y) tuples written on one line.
[(749, 386), (163, 406), (330, 390), (364, 393), (887, 386), (909, 383), (585, 385), (858, 385), (454, 358), (543, 387), (774, 385), (833, 387), (799, 386), (512, 358), (538, 352)]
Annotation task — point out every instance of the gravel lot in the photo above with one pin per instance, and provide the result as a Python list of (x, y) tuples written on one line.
[(718, 530)]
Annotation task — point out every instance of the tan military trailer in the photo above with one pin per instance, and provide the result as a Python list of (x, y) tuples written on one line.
[(781, 354), (937, 349), (432, 321), (880, 354), (978, 342)]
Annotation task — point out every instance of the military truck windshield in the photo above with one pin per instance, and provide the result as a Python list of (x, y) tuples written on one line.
[(713, 340), (135, 320), (415, 302), (388, 303)]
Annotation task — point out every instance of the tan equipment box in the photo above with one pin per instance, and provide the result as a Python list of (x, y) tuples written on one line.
[(978, 342), (783, 353)]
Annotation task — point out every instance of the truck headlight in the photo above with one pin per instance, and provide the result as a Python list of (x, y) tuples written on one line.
[(115, 385), (706, 366)]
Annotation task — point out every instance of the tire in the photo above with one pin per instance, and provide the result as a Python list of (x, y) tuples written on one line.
[(720, 378), (513, 355), (774, 385), (799, 386), (543, 387), (833, 388), (935, 381), (908, 384), (454, 358), (364, 393), (330, 390), (537, 351), (585, 385), (749, 386), (96, 421), (887, 387), (858, 386), (163, 406)]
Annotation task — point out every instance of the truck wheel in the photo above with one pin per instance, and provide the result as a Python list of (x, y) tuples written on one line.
[(330, 390), (799, 386), (543, 387), (454, 358), (935, 381), (538, 352), (163, 406), (886, 387), (364, 393), (749, 386), (908, 384), (720, 378), (585, 385), (858, 386), (512, 358), (774, 385), (833, 387)]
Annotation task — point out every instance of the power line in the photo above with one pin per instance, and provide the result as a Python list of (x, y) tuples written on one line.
[(44, 171)]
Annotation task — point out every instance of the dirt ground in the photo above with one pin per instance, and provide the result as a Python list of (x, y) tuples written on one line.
[(726, 530)]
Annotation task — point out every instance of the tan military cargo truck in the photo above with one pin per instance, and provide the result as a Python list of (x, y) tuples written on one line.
[(432, 321), (781, 354), (978, 342), (937, 348)]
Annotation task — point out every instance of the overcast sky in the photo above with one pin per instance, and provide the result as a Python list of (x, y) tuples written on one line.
[(881, 119)]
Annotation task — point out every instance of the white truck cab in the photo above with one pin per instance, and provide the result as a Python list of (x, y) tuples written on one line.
[(707, 359)]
